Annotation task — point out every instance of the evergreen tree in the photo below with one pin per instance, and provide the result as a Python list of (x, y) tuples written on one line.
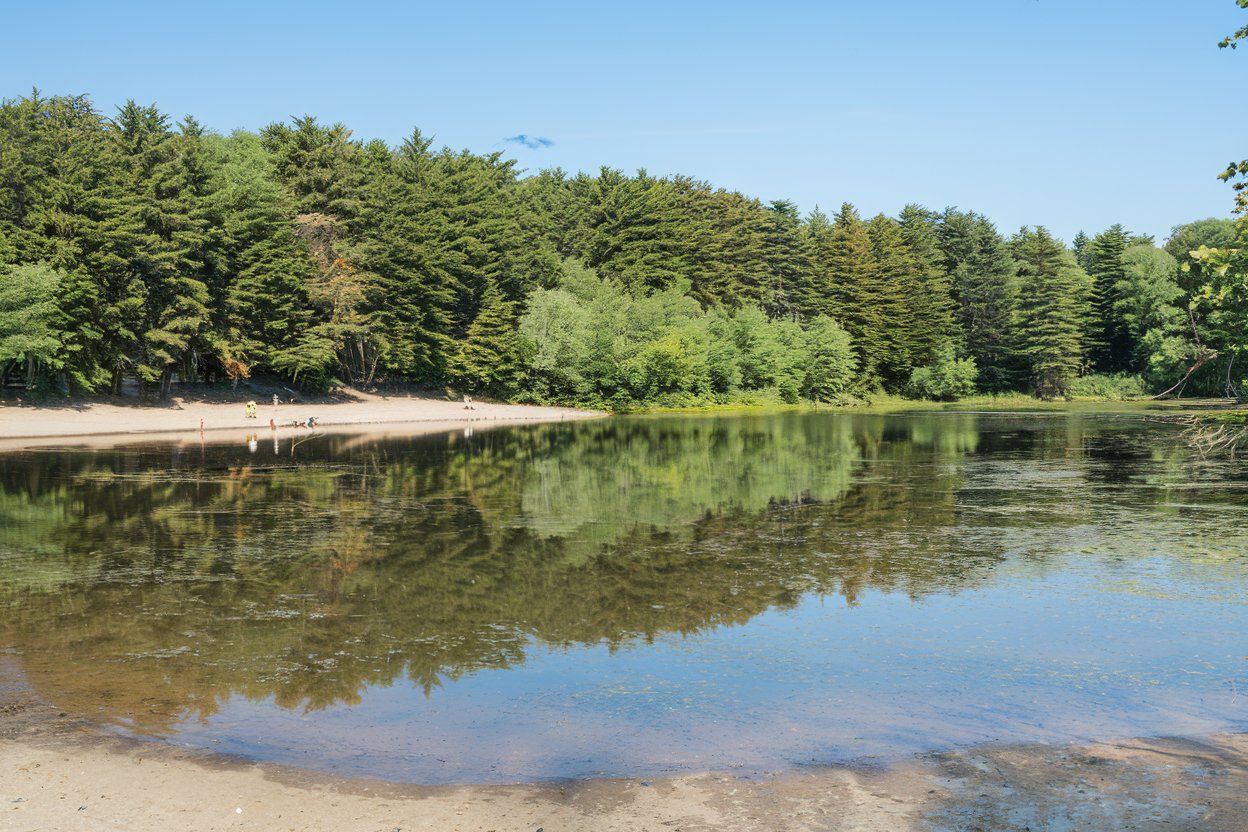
[(893, 284), (817, 296), (728, 246), (156, 297), (1053, 312), (321, 165), (485, 225), (848, 273), (262, 312), (984, 288), (489, 358), (57, 184), (556, 209), (930, 303), (412, 279), (31, 323), (329, 177), (1109, 344), (635, 231), (1083, 253), (784, 260)]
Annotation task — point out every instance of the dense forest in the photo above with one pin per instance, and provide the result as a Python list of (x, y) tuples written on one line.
[(136, 248)]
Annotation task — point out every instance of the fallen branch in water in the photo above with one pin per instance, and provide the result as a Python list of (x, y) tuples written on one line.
[(1203, 356), (1221, 439)]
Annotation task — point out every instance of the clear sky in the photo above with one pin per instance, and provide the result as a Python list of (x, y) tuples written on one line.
[(1069, 113)]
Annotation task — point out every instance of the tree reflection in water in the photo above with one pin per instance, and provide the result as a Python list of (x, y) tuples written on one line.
[(148, 586)]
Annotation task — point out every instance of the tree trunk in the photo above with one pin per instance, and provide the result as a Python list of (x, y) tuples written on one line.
[(1201, 361)]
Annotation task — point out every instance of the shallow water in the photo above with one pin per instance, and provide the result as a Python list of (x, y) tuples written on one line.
[(635, 596)]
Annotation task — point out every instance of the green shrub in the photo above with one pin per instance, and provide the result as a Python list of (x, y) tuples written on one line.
[(1111, 386), (591, 341), (948, 379), (830, 361)]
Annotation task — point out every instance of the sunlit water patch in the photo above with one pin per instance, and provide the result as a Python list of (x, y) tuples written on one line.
[(635, 596)]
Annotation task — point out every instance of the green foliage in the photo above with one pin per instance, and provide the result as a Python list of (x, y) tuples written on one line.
[(489, 357), (886, 296), (1081, 246), (1232, 40), (1221, 305), (1054, 311), (31, 324), (929, 293), (1110, 386), (1145, 301), (985, 292), (1237, 172), (949, 378), (592, 341), (1186, 239), (634, 230), (259, 290), (830, 363), (848, 283), (1109, 345), (305, 252)]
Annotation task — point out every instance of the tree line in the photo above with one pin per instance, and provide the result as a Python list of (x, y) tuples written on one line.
[(136, 248)]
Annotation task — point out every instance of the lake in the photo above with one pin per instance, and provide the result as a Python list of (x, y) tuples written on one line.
[(636, 596)]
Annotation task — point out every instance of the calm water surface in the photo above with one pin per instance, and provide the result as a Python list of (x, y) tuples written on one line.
[(635, 596)]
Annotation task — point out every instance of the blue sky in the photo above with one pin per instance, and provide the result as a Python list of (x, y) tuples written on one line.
[(1069, 113)]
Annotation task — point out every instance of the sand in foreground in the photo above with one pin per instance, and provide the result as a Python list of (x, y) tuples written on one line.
[(58, 774), (100, 423)]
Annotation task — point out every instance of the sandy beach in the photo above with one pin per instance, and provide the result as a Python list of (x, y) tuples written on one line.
[(99, 423), (58, 773)]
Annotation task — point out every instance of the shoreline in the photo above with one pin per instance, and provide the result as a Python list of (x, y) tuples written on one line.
[(101, 424), (58, 771), (1005, 404)]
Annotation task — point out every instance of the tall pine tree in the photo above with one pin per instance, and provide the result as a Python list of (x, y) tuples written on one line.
[(846, 271), (984, 288), (930, 302), (1109, 341), (489, 357), (892, 286), (158, 297), (1053, 311)]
